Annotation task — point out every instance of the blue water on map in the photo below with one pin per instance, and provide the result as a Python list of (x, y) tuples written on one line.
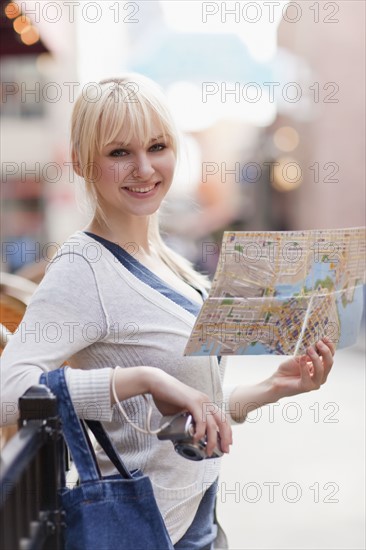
[(319, 270), (285, 291), (258, 349), (350, 318), (207, 350)]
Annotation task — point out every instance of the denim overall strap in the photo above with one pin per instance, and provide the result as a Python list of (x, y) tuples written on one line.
[(148, 277), (71, 427), (104, 441), (84, 459)]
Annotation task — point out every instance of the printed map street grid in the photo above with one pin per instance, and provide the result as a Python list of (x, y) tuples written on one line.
[(279, 292)]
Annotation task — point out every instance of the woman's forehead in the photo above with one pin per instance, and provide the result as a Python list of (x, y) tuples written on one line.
[(136, 140), (128, 135)]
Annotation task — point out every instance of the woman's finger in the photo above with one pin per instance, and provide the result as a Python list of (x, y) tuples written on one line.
[(211, 434), (318, 373), (224, 427), (330, 344), (327, 356), (216, 425), (200, 421), (305, 373)]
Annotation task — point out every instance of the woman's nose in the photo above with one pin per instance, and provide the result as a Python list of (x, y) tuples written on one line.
[(143, 167)]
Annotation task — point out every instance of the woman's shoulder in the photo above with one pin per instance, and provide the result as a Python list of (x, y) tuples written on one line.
[(79, 248), (73, 261), (78, 242), (71, 272), (82, 262)]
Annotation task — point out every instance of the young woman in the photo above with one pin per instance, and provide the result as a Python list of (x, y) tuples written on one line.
[(116, 295)]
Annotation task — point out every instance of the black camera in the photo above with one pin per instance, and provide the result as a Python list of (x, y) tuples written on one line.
[(180, 430)]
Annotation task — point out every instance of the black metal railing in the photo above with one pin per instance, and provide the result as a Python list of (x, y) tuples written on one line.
[(31, 471)]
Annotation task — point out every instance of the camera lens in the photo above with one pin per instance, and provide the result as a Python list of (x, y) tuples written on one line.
[(188, 451)]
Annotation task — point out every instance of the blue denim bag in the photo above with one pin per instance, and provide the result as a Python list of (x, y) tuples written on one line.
[(110, 513)]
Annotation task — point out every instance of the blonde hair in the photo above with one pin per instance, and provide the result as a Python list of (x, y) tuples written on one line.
[(131, 103)]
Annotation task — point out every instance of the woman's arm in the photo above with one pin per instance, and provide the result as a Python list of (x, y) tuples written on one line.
[(172, 396), (294, 376), (53, 330)]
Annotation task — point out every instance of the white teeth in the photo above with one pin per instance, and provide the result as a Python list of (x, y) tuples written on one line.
[(141, 190)]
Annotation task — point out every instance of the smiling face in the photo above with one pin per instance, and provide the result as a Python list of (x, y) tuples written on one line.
[(131, 177), (124, 145)]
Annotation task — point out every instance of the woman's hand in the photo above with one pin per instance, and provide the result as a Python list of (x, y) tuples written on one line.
[(296, 375), (172, 396), (306, 372)]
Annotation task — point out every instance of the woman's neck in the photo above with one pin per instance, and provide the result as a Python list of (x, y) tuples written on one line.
[(128, 235)]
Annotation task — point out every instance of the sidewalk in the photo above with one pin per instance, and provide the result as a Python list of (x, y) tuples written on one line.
[(295, 476)]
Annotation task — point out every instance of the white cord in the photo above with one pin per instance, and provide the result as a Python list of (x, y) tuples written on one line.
[(146, 430)]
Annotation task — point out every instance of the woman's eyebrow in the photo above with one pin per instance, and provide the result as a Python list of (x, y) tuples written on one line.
[(121, 144)]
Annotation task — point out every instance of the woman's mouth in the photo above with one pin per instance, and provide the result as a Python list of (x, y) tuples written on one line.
[(141, 192)]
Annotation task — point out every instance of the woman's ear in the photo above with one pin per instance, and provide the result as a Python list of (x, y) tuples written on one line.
[(75, 163)]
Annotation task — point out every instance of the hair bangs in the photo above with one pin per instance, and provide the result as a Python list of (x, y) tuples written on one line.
[(123, 119)]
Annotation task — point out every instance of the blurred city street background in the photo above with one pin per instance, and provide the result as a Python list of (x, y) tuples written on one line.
[(270, 98)]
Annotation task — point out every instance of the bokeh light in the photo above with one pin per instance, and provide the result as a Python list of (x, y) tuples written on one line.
[(30, 36), (12, 10), (286, 139), (287, 174), (21, 24)]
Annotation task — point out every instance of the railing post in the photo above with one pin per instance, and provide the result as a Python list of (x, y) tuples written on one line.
[(39, 403)]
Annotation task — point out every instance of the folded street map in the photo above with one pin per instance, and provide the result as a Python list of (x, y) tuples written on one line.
[(279, 292)]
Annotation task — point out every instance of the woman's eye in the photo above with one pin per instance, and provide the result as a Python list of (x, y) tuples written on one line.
[(118, 153), (158, 147)]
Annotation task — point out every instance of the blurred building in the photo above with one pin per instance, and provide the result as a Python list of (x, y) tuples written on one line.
[(330, 38), (37, 183)]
